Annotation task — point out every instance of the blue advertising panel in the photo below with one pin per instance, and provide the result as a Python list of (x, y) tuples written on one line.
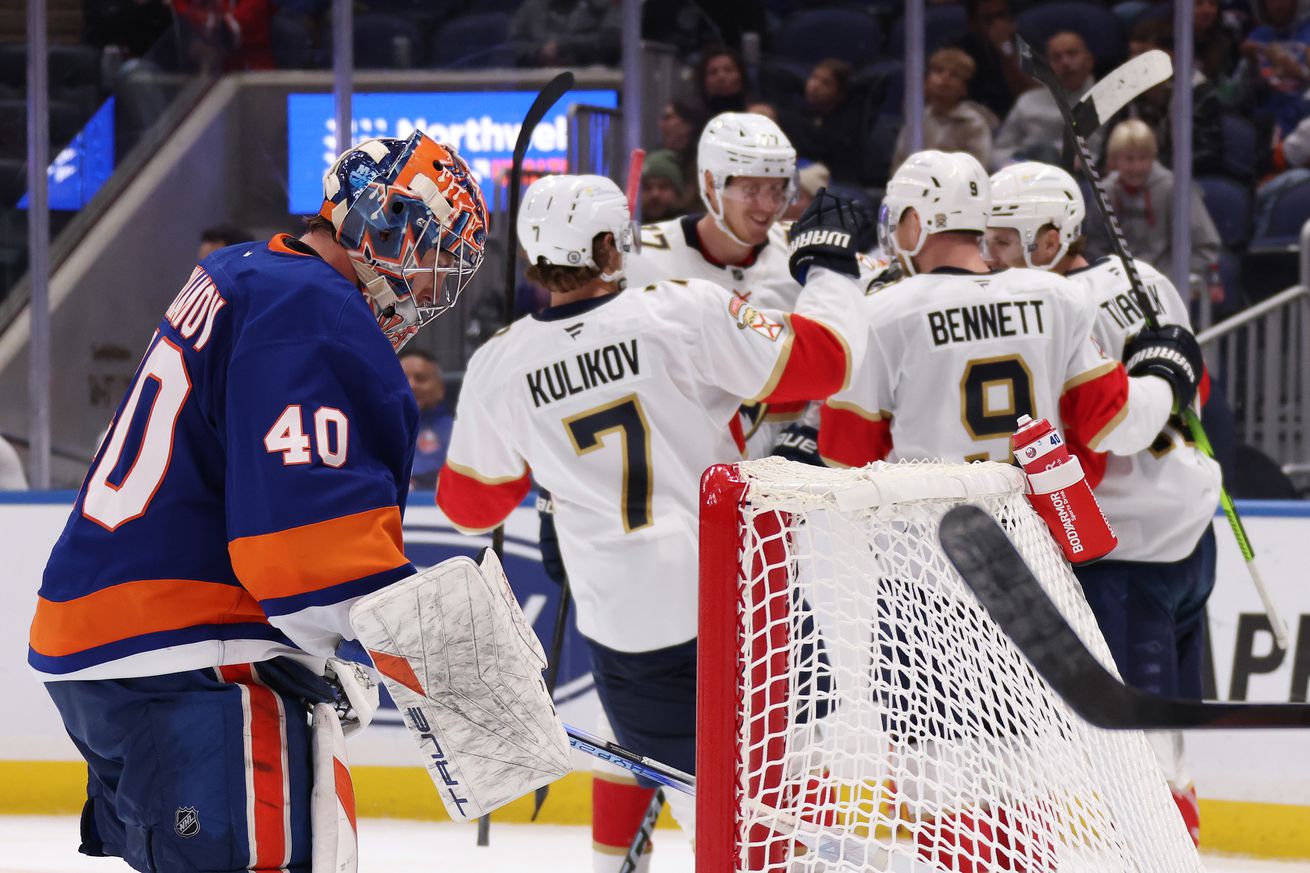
[(482, 125), (79, 170)]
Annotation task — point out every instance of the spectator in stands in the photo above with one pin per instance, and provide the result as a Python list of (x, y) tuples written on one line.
[(1154, 106), (434, 418), (1141, 193), (952, 123), (766, 109), (998, 81), (1215, 43), (721, 80), (1277, 55), (663, 187), (131, 27), (221, 236), (1291, 164), (680, 126), (227, 34), (809, 179), (566, 33), (1034, 129), (829, 128), (11, 469)]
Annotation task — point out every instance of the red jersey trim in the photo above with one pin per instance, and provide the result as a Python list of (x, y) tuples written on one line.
[(319, 555), (141, 607), (852, 437), (812, 366), (476, 504)]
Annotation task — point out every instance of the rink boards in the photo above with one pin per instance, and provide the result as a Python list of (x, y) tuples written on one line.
[(1255, 786)]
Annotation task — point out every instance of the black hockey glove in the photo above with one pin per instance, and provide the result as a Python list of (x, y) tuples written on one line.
[(825, 236), (799, 442), (548, 540), (1170, 352)]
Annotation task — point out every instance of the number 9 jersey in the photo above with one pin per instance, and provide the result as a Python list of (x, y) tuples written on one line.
[(250, 486), (955, 358)]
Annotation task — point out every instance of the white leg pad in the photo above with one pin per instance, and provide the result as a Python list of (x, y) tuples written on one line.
[(464, 667), (332, 804)]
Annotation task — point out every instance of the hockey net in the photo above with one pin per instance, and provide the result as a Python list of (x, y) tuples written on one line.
[(851, 686)]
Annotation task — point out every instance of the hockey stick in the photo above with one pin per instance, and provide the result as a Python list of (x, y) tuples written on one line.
[(642, 837), (1007, 588), (1124, 84), (556, 650), (827, 844), (1036, 66), (547, 97), (636, 161)]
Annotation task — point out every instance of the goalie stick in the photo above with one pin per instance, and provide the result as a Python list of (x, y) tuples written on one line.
[(547, 97), (996, 573), (1033, 64), (830, 845)]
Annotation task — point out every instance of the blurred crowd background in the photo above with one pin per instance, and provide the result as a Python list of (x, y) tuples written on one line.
[(831, 73)]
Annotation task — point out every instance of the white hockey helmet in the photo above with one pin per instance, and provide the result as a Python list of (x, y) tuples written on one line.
[(1028, 196), (949, 191), (561, 215), (742, 144)]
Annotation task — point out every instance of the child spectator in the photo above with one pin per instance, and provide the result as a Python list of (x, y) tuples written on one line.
[(951, 123), (828, 128), (1141, 193)]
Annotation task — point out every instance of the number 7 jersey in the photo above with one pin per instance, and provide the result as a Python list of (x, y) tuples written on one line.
[(617, 405), (249, 487)]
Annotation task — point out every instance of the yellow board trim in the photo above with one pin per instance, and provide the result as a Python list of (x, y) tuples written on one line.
[(1259, 830)]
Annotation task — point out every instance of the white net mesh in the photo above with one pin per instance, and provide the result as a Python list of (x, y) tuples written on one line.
[(880, 705)]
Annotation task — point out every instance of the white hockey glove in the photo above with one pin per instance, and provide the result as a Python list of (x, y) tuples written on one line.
[(464, 668)]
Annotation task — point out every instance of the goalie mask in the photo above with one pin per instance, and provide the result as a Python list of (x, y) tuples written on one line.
[(949, 191), (412, 218), (742, 144), (1027, 197), (561, 216)]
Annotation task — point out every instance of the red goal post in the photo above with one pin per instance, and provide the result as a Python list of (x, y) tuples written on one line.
[(849, 680)]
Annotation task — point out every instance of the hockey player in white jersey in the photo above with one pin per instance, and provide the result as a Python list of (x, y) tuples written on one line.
[(957, 353), (1149, 595), (746, 170), (616, 403)]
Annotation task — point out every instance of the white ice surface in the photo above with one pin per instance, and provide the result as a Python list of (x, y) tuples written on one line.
[(48, 844)]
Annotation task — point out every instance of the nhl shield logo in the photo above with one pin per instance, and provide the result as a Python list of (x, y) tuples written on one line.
[(187, 822)]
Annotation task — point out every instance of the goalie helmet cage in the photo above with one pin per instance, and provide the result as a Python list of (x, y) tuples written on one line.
[(850, 681)]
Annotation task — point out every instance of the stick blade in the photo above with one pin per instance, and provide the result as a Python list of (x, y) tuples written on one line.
[(996, 573)]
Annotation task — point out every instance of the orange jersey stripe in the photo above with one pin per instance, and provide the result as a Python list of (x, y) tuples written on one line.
[(474, 505), (130, 609), (815, 367), (852, 440), (319, 555)]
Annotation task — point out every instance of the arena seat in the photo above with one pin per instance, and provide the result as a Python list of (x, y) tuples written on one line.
[(473, 41), (1291, 210), (383, 41), (942, 25), (1239, 146), (814, 34), (1229, 204)]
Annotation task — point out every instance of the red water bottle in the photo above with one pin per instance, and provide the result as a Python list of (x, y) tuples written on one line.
[(1058, 491)]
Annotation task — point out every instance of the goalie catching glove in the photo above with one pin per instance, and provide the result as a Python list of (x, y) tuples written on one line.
[(825, 236), (1170, 352), (464, 668)]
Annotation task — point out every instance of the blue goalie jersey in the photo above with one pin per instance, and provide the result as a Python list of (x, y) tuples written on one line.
[(250, 486)]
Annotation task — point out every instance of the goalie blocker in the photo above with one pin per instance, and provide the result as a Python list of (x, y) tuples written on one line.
[(464, 668)]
